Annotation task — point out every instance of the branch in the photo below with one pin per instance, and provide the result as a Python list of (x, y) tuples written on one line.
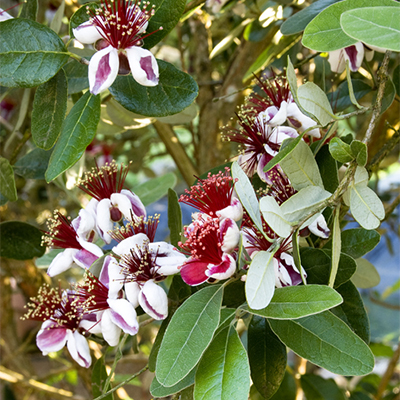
[(391, 207), (388, 373)]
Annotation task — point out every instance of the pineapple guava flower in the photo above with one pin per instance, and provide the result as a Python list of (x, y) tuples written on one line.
[(117, 28)]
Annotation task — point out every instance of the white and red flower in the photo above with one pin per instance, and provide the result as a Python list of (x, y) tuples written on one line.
[(117, 29)]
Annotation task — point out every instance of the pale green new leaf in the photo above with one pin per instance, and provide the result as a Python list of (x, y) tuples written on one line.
[(374, 26), (260, 281), (366, 275), (274, 217), (301, 168), (336, 247)]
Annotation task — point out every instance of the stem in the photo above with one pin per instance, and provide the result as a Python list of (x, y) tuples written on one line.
[(389, 209), (336, 247), (80, 59)]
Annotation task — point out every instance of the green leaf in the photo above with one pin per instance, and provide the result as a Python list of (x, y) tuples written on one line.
[(317, 388), (234, 294), (174, 218), (99, 377), (352, 310), (158, 390), (396, 79), (20, 241), (340, 150), (388, 95), (7, 181), (223, 372), (56, 22), (34, 164), (226, 319), (175, 91), (49, 107), (298, 22), (267, 357), (260, 281), (359, 150), (357, 242), (179, 290), (287, 390), (366, 275), (336, 246), (156, 345), (326, 341), (77, 133), (293, 302), (167, 15), (154, 189), (301, 168), (274, 216), (29, 9), (324, 32), (314, 100), (188, 335), (328, 169), (340, 98), (77, 76), (374, 26), (30, 53), (246, 195)]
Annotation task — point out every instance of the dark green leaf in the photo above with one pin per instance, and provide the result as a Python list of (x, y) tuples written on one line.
[(352, 310), (167, 15), (20, 241), (287, 390), (340, 150), (49, 107), (156, 188), (30, 53), (77, 133), (175, 91), (326, 341), (7, 181), (77, 76), (317, 264), (174, 218), (225, 320), (33, 165), (318, 388), (99, 377), (357, 242), (298, 22), (223, 372), (340, 98), (328, 169), (179, 290), (267, 357), (188, 335), (157, 343), (158, 390), (359, 150), (396, 79), (29, 9), (234, 295)]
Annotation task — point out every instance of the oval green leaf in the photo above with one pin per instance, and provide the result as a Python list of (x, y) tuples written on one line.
[(294, 302), (317, 388), (49, 107), (7, 181), (77, 133), (158, 390), (326, 341), (34, 164), (340, 150), (77, 76), (366, 275), (175, 91), (188, 335), (20, 241), (274, 217), (30, 53)]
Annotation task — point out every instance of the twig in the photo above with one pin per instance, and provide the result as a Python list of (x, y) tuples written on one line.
[(388, 373), (382, 78), (383, 303)]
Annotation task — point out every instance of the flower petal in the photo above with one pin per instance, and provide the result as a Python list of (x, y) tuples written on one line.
[(153, 300), (103, 69), (130, 243), (104, 222), (110, 331), (234, 211), (132, 290), (124, 315), (4, 16), (355, 55), (337, 61), (87, 33), (319, 227), (193, 272), (78, 347), (224, 270), (230, 233), (62, 262), (143, 66), (51, 337), (301, 122), (137, 206)]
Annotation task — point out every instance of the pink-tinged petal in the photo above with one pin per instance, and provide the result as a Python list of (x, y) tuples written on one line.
[(85, 258), (230, 233), (111, 277), (78, 347), (355, 55), (154, 301), (169, 259), (130, 243), (194, 272), (62, 262), (337, 61), (320, 228), (273, 116), (224, 270), (4, 16), (110, 331), (104, 222), (51, 337), (124, 315), (289, 274), (264, 160), (143, 66), (132, 290), (243, 161), (137, 206), (234, 211), (301, 122), (103, 69), (87, 33), (85, 225), (91, 324)]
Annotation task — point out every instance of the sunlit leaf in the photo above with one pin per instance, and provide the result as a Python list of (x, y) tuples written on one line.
[(274, 216), (366, 275)]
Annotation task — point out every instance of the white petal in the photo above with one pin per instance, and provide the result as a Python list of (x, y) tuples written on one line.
[(154, 301), (136, 204), (79, 349), (169, 259), (110, 331), (85, 225), (104, 222), (87, 33), (231, 234), (319, 227), (143, 66), (355, 55), (302, 121), (123, 204), (62, 262), (124, 315), (132, 290), (227, 260), (51, 337), (337, 61), (130, 243), (4, 16), (103, 69), (234, 211)]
